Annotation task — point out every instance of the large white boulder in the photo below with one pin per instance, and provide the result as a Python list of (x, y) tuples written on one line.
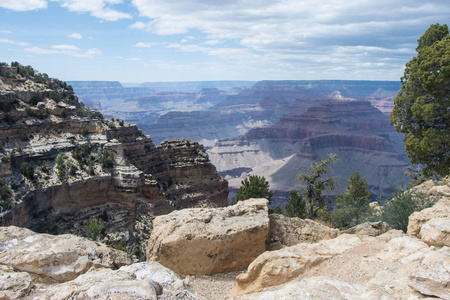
[(203, 241)]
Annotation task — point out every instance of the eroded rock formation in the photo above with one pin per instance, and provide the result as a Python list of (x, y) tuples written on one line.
[(64, 166)]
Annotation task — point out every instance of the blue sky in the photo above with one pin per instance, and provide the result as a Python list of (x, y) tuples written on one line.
[(190, 40)]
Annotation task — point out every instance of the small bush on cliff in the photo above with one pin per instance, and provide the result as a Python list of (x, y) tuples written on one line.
[(106, 160), (94, 229), (81, 152), (5, 195), (60, 166), (253, 187), (396, 210), (27, 170)]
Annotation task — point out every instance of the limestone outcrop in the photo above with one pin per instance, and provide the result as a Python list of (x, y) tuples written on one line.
[(202, 241), (286, 231), (43, 266)]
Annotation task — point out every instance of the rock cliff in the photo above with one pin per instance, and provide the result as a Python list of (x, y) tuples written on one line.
[(65, 168)]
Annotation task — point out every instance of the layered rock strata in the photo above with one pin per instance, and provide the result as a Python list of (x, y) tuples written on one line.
[(360, 134), (64, 167)]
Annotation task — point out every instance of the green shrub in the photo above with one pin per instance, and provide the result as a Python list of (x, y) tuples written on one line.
[(296, 206), (60, 166), (396, 211), (55, 96), (106, 160), (72, 168), (27, 170), (35, 100), (352, 204), (84, 132), (5, 195), (81, 151), (94, 229), (25, 137)]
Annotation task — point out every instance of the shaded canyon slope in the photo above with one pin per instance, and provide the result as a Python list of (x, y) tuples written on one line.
[(63, 166), (359, 133)]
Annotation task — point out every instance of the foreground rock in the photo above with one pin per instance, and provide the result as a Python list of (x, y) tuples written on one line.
[(42, 266), (60, 258), (137, 281), (208, 241), (391, 266), (286, 231), (432, 224), (277, 267), (362, 265), (369, 228)]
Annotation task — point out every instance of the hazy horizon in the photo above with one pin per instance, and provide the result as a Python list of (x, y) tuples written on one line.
[(194, 40)]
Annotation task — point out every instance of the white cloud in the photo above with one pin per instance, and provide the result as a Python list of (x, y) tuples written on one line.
[(23, 5), (65, 50), (97, 8), (5, 31), (65, 47), (145, 45), (212, 42), (138, 25), (6, 41), (308, 35), (75, 36)]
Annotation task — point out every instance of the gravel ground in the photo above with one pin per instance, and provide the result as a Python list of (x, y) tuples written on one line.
[(215, 287)]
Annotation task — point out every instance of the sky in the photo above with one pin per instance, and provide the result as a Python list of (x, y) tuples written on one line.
[(197, 40)]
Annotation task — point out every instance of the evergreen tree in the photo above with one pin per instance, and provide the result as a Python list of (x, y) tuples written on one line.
[(253, 187), (296, 206), (353, 204), (316, 182), (421, 108)]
